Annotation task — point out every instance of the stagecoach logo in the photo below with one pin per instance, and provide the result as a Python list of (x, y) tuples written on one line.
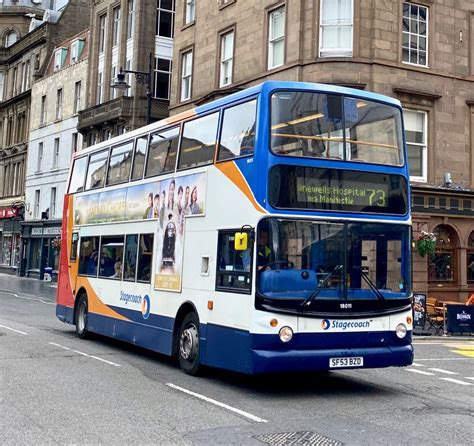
[(146, 307), (326, 324)]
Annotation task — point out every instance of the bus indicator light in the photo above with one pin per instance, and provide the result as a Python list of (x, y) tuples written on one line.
[(273, 323), (210, 304)]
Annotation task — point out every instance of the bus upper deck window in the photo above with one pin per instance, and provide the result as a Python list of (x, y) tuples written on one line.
[(238, 131), (141, 145), (97, 169), (120, 163), (198, 142), (78, 174), (162, 152)]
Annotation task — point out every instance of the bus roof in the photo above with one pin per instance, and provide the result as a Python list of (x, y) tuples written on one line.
[(265, 87)]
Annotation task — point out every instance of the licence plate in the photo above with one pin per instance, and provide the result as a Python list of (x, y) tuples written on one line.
[(354, 361)]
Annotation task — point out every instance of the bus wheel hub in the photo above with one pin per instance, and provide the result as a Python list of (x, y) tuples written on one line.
[(188, 343)]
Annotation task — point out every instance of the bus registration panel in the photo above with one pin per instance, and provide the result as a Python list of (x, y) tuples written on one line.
[(354, 361)]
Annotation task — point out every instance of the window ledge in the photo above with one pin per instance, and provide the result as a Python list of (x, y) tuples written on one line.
[(224, 5), (422, 94), (188, 25)]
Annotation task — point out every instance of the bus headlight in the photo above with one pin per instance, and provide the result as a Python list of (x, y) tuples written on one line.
[(286, 334), (401, 331)]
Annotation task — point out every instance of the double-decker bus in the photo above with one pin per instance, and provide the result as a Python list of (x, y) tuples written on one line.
[(266, 231)]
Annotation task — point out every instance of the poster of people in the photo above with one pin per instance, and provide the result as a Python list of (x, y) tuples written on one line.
[(419, 310), (179, 199), (169, 201)]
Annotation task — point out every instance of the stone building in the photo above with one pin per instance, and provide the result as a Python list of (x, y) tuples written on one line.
[(421, 52), (130, 35), (56, 100), (28, 33)]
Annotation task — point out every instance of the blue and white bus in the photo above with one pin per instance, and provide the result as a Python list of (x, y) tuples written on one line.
[(267, 231)]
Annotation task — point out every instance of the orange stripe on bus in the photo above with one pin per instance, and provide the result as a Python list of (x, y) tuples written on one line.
[(230, 170), (181, 116)]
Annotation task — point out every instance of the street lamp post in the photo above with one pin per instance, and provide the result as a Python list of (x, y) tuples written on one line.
[(142, 77)]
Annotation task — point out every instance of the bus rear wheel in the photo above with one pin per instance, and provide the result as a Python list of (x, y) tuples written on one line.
[(188, 345), (81, 317)]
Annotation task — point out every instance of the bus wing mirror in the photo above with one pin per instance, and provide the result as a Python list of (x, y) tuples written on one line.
[(241, 241)]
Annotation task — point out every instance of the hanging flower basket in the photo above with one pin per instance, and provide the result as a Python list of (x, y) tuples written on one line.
[(426, 243), (56, 244)]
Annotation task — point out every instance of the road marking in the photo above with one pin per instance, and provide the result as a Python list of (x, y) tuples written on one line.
[(218, 403), (24, 297), (447, 372), (470, 377), (456, 381), (421, 372), (84, 354), (468, 353), (415, 364), (12, 329)]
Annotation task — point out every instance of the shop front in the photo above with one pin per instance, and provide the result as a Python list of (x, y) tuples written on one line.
[(10, 237), (41, 248)]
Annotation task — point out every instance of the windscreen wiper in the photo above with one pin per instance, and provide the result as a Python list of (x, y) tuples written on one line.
[(315, 293), (371, 285)]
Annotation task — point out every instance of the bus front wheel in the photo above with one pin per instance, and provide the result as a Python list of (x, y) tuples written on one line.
[(188, 347), (81, 317)]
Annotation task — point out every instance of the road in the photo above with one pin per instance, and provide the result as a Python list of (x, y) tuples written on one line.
[(57, 389)]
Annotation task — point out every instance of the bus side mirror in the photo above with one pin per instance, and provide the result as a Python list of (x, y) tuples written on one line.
[(241, 241)]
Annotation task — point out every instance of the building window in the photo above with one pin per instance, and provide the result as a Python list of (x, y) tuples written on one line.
[(186, 75), (59, 58), (227, 59), (26, 76), (100, 89), (56, 153), (442, 262), (335, 38), (2, 84), (102, 32), (276, 38), (113, 75), (37, 204), (74, 142), (116, 26), (52, 205), (470, 258), (10, 38), (59, 103), (165, 18), (415, 34), (162, 78), (76, 50), (77, 96), (415, 134), (43, 110), (39, 163), (131, 19), (14, 81), (190, 11)]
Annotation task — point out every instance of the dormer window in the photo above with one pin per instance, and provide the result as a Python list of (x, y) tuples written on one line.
[(59, 58), (76, 50), (10, 38)]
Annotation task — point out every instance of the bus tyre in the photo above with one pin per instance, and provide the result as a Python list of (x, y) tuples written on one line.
[(81, 318), (188, 344)]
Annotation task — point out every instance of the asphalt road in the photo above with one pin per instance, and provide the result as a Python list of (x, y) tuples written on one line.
[(57, 389)]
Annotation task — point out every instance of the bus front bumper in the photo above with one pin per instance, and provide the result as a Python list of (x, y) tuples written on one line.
[(268, 361)]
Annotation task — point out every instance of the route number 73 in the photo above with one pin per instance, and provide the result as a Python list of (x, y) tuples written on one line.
[(377, 197)]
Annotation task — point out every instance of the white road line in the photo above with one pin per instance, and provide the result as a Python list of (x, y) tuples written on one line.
[(456, 381), (421, 372), (18, 296), (85, 354), (218, 403), (415, 364), (12, 329), (470, 377), (447, 372)]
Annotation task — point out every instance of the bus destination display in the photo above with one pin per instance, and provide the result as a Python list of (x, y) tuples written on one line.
[(295, 187)]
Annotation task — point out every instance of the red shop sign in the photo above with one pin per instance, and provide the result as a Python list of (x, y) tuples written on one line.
[(7, 213)]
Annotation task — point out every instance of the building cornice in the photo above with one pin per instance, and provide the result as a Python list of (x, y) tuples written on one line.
[(422, 94)]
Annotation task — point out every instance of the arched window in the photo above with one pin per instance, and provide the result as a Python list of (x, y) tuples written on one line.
[(442, 266), (10, 38), (470, 258)]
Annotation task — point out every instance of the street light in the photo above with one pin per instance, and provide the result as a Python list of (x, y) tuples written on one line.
[(142, 77)]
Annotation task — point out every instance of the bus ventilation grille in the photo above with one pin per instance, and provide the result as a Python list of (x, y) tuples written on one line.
[(305, 438)]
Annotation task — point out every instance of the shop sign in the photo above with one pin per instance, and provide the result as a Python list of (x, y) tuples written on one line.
[(54, 230), (460, 318), (419, 309), (7, 213)]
